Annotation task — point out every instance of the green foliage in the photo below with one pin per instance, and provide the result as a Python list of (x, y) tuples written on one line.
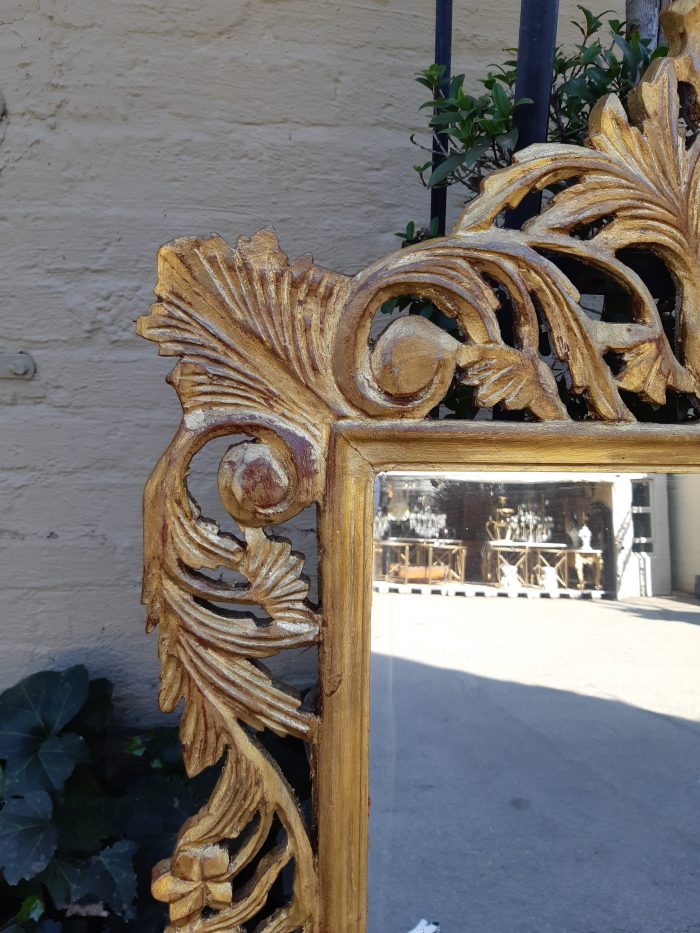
[(605, 61), (477, 132), (85, 813)]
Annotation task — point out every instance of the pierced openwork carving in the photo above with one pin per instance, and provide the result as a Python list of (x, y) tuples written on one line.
[(281, 351)]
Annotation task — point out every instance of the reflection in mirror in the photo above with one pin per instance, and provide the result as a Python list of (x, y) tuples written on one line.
[(535, 703)]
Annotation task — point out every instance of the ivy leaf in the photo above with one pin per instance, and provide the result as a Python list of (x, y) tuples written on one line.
[(110, 878), (83, 825), (60, 754), (63, 879), (27, 836), (49, 766), (97, 710), (157, 806), (163, 748), (38, 707)]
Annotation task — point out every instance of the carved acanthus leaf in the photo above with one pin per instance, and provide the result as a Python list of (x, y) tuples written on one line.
[(247, 324), (515, 379)]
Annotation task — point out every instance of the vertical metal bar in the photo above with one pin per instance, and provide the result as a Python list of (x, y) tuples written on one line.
[(536, 46), (443, 56)]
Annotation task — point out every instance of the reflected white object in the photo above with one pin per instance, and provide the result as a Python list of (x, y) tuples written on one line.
[(585, 534), (509, 576), (398, 507), (572, 532), (550, 581), (426, 927), (381, 525)]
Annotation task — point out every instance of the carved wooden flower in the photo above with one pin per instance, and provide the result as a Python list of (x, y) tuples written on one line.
[(198, 877)]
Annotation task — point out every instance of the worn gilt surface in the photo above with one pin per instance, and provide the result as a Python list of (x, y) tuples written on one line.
[(280, 351)]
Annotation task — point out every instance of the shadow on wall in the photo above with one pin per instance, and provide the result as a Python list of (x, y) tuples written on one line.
[(503, 808)]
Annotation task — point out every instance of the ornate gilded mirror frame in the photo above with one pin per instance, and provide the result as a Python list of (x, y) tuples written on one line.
[(281, 352)]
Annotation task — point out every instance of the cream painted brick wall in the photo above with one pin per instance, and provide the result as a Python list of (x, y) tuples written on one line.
[(130, 123)]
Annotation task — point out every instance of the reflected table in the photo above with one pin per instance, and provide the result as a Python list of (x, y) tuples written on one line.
[(420, 560), (545, 565)]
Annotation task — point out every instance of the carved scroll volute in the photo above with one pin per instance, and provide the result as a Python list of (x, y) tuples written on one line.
[(414, 362), (411, 366)]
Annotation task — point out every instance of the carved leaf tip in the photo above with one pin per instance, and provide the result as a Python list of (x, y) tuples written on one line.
[(681, 25), (512, 378)]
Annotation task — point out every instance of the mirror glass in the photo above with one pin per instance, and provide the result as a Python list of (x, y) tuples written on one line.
[(535, 703)]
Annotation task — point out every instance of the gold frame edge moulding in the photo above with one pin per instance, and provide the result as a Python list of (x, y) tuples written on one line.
[(280, 352)]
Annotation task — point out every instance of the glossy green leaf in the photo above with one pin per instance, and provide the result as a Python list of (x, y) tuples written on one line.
[(590, 54), (446, 167), (492, 126), (504, 107), (507, 141)]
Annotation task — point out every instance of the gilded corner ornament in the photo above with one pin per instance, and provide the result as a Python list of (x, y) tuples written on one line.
[(280, 352)]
